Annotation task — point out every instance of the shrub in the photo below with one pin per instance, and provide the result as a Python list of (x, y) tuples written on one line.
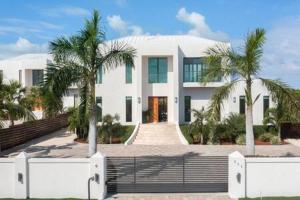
[(266, 137), (275, 140), (259, 130), (241, 139), (233, 126)]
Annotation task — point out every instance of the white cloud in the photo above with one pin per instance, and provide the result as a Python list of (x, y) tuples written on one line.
[(75, 11), (121, 2), (123, 27), (199, 27), (21, 46), (282, 51), (63, 11)]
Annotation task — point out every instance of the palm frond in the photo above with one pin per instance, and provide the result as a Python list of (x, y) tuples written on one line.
[(17, 111), (115, 54), (58, 78), (218, 98), (254, 50), (280, 91)]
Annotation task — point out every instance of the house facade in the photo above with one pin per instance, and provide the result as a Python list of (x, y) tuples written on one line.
[(163, 84)]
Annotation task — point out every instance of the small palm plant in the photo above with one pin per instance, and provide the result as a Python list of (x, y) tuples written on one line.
[(284, 111), (77, 60), (223, 61), (110, 126), (199, 124)]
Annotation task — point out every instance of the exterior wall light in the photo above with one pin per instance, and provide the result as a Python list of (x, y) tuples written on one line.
[(176, 99), (234, 99), (139, 100)]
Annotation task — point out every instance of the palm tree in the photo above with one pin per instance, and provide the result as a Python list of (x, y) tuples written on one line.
[(284, 111), (245, 64), (199, 124), (13, 103), (76, 61)]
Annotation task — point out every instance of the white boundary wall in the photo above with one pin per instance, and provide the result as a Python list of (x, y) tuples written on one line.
[(24, 177), (263, 177)]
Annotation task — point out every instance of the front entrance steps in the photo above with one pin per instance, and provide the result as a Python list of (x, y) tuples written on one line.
[(157, 134)]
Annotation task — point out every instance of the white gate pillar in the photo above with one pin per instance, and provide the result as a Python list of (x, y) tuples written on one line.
[(21, 176), (98, 171)]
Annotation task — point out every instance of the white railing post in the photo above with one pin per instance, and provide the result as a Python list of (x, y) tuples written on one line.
[(98, 168), (21, 176), (236, 175)]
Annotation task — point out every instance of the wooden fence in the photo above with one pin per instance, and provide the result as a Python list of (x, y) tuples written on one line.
[(19, 134), (289, 130)]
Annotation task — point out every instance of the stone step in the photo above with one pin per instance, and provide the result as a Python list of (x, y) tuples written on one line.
[(157, 134)]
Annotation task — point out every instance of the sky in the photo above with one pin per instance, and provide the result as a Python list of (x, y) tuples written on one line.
[(27, 26)]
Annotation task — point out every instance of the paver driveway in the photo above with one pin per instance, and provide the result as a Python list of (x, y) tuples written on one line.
[(61, 144)]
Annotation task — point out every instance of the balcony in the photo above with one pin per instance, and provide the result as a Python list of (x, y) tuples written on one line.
[(207, 85)]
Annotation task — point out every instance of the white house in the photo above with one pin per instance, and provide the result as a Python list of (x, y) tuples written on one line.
[(164, 81)]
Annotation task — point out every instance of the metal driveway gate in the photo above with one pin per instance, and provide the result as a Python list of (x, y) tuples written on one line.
[(158, 174)]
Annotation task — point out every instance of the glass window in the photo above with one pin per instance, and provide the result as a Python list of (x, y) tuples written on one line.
[(99, 75), (266, 104), (187, 108), (37, 76), (1, 73), (242, 105), (99, 109), (158, 70), (128, 109), (128, 73), (193, 70)]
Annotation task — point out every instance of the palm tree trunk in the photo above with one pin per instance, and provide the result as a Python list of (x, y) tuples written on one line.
[(279, 131), (12, 123), (92, 122), (250, 145)]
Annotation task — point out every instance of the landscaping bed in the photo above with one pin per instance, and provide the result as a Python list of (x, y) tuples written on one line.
[(118, 137)]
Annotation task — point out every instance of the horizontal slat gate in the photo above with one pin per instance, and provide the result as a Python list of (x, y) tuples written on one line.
[(158, 174)]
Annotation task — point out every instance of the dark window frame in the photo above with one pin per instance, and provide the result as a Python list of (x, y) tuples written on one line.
[(99, 108), (99, 75), (194, 68), (266, 104), (128, 108), (242, 106), (160, 76), (37, 76), (187, 108), (128, 73)]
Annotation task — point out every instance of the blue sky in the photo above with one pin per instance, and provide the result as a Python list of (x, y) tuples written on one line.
[(26, 26)]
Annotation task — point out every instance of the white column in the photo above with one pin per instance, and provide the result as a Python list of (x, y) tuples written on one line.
[(176, 85), (21, 176), (98, 168), (139, 85), (236, 175)]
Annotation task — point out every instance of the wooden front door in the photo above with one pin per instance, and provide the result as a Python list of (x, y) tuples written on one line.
[(153, 107), (158, 109)]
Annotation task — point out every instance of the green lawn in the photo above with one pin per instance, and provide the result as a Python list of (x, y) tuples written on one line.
[(273, 198)]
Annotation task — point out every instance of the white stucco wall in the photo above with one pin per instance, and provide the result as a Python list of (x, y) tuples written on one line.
[(52, 177), (7, 172), (263, 177)]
